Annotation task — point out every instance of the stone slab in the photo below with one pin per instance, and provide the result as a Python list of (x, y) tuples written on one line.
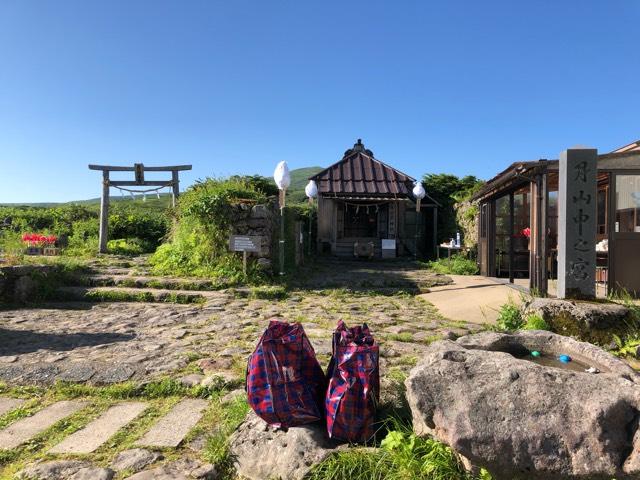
[(78, 373), (174, 426), (25, 429), (8, 404), (97, 432), (114, 374)]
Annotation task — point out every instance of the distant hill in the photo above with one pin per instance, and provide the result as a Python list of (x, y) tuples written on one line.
[(299, 179), (152, 202)]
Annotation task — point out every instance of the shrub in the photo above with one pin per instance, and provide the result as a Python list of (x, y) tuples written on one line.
[(129, 246), (402, 455), (509, 317), (79, 224), (199, 240), (456, 265), (535, 322)]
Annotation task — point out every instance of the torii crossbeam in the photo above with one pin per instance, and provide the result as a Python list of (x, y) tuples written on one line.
[(138, 169)]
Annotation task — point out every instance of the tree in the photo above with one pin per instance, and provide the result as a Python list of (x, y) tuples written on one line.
[(447, 190)]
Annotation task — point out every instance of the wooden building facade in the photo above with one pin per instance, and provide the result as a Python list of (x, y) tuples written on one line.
[(366, 209), (518, 223)]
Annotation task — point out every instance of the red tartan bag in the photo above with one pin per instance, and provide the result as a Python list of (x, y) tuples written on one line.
[(285, 383), (354, 384)]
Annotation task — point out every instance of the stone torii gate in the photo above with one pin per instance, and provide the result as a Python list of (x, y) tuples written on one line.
[(138, 169)]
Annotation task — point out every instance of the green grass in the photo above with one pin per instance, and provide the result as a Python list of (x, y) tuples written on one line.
[(127, 296), (400, 337), (160, 396), (268, 292), (456, 265), (228, 418), (401, 456), (509, 317)]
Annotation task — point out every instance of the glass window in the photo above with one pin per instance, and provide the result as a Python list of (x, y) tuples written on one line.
[(627, 203), (602, 211)]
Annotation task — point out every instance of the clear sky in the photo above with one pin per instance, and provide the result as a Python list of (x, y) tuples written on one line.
[(235, 86)]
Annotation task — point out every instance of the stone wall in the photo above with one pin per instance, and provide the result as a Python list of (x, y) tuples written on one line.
[(19, 284), (258, 220), (467, 218)]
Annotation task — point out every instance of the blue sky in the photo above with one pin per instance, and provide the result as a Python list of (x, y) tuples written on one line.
[(463, 87)]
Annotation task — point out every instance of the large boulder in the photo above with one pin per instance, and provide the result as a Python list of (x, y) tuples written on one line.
[(590, 321), (261, 451), (525, 420)]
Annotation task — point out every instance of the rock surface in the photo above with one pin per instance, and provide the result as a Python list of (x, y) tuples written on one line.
[(261, 451), (183, 469), (522, 420), (134, 460), (64, 470), (591, 321)]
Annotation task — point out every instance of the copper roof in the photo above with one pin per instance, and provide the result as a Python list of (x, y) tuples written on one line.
[(360, 174), (632, 147)]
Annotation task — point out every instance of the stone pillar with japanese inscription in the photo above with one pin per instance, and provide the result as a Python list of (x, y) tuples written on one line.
[(577, 201)]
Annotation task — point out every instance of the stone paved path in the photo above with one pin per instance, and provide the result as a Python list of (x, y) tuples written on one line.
[(105, 343), (97, 432), (171, 429), (22, 430), (8, 404)]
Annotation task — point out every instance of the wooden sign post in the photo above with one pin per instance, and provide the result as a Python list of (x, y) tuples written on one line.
[(245, 244), (138, 170)]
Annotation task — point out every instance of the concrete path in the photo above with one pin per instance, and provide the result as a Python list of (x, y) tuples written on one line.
[(471, 298), (97, 432), (8, 404), (174, 426), (27, 428)]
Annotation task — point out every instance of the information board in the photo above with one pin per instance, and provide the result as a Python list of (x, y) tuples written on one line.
[(245, 243)]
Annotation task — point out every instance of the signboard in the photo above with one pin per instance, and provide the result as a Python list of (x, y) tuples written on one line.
[(388, 243), (245, 243), (577, 223)]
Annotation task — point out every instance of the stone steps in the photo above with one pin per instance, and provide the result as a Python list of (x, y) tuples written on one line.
[(168, 432), (26, 428), (171, 429), (147, 281), (131, 294), (97, 432), (8, 404)]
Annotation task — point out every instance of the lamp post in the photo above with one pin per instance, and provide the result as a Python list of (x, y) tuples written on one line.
[(419, 193), (283, 180), (311, 190)]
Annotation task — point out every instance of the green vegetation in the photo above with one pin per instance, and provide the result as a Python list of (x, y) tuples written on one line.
[(299, 180), (139, 227), (199, 240), (627, 345), (160, 396), (146, 296), (510, 317), (535, 322), (447, 190), (456, 265), (268, 292), (229, 416), (130, 246), (401, 456)]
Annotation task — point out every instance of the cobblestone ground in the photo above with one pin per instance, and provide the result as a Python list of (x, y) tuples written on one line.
[(111, 342), (95, 429)]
